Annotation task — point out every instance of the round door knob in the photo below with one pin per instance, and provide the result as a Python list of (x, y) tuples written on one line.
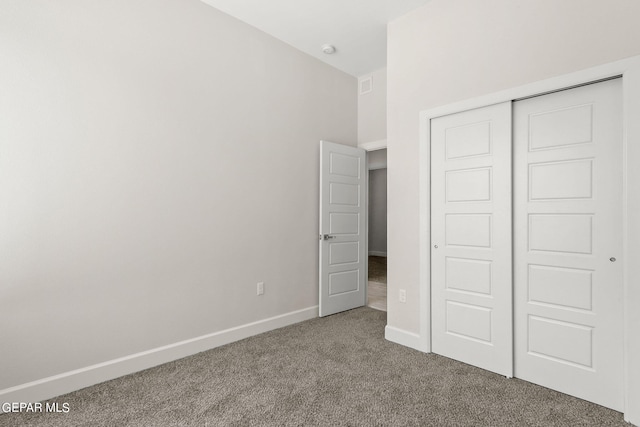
[(612, 259), (435, 246)]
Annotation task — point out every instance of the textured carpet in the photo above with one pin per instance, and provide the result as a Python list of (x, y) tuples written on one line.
[(331, 371)]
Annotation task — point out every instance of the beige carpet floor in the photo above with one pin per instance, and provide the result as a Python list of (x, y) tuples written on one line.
[(332, 371)]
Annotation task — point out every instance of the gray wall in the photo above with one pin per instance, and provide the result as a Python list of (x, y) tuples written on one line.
[(378, 212), (372, 109), (377, 159), (451, 50), (157, 159)]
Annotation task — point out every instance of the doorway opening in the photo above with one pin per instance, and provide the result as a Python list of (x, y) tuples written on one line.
[(377, 230)]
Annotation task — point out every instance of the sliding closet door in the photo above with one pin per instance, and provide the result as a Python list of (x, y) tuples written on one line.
[(471, 237), (568, 242)]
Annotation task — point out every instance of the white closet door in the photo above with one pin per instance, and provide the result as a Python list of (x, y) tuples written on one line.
[(568, 242), (471, 237)]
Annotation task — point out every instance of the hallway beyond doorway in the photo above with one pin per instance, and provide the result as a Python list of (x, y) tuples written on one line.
[(377, 285)]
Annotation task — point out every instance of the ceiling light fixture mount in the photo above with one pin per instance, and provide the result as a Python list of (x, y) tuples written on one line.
[(328, 49)]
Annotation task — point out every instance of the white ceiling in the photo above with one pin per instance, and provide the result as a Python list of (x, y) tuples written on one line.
[(357, 28)]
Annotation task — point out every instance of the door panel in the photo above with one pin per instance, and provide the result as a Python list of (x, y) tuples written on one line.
[(471, 237), (567, 216), (343, 260)]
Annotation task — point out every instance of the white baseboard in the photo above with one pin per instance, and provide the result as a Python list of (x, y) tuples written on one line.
[(67, 382), (377, 253), (402, 337)]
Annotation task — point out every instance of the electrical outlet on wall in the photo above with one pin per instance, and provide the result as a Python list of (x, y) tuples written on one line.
[(260, 290), (402, 295)]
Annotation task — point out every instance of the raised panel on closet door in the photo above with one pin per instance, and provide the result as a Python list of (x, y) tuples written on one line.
[(567, 223), (471, 237)]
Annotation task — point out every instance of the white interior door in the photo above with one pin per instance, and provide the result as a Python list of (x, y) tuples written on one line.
[(568, 242), (471, 283), (343, 251)]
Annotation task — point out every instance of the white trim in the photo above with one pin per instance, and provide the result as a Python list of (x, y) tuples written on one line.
[(377, 253), (402, 337), (629, 70), (631, 242), (66, 382), (373, 145), (424, 233)]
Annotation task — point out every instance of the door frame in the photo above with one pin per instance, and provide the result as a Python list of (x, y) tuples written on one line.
[(629, 71), (380, 144)]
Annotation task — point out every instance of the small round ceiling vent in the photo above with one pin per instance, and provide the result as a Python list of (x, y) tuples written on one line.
[(328, 49)]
